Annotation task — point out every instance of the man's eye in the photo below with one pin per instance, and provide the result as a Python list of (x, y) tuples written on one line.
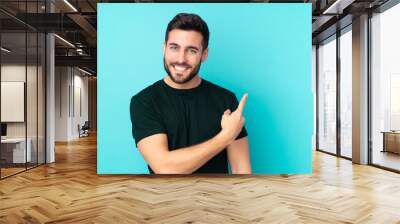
[(192, 51), (173, 47)]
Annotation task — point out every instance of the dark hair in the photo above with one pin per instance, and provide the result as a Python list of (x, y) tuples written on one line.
[(187, 21)]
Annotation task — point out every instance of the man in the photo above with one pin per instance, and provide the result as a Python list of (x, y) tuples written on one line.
[(183, 124)]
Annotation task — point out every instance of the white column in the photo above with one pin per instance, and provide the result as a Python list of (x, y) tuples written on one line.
[(50, 100), (360, 90), (50, 92)]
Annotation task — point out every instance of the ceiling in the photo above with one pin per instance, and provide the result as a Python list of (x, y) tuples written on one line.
[(76, 22)]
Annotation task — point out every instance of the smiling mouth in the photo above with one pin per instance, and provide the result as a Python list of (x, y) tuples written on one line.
[(180, 68)]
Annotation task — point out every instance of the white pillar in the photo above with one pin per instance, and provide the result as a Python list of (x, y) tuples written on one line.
[(50, 91), (360, 90)]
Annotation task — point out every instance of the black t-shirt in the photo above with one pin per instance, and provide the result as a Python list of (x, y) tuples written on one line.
[(187, 116)]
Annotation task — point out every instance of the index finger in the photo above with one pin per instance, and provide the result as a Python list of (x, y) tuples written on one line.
[(242, 103)]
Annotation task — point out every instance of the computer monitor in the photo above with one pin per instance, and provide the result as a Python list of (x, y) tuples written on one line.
[(3, 129)]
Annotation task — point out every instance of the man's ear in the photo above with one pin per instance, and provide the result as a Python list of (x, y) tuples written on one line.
[(164, 46), (204, 55)]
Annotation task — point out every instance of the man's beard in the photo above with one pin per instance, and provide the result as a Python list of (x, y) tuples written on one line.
[(194, 72)]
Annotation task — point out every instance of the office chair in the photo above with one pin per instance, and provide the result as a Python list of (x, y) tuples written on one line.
[(84, 130)]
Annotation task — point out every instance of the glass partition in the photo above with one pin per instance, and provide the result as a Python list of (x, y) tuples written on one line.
[(22, 77), (14, 153)]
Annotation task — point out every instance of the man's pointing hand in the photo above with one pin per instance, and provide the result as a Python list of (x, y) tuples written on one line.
[(232, 122)]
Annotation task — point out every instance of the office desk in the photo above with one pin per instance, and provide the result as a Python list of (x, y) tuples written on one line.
[(15, 148), (391, 141)]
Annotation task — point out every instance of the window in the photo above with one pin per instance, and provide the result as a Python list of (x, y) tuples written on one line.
[(385, 88), (346, 92), (327, 95)]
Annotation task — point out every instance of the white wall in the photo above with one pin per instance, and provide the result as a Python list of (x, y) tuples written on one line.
[(71, 94), (12, 73), (62, 81), (16, 72), (81, 84)]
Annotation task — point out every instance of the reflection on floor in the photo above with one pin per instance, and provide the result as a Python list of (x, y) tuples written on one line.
[(10, 169), (386, 159)]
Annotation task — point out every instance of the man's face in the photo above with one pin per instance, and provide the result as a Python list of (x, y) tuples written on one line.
[(183, 55)]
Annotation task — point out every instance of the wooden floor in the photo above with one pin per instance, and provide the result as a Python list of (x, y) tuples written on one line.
[(5, 172), (70, 191)]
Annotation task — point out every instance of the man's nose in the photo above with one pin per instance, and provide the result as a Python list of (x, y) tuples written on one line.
[(182, 57)]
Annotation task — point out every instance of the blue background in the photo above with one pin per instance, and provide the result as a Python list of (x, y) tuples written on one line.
[(262, 49)]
